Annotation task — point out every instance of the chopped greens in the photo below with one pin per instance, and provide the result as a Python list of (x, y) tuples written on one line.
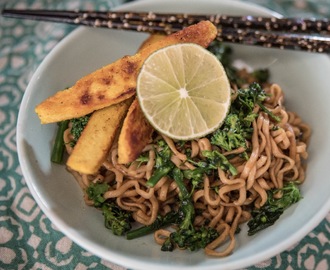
[(274, 207), (213, 160), (95, 193), (78, 125), (187, 236), (163, 164), (115, 219), (237, 127)]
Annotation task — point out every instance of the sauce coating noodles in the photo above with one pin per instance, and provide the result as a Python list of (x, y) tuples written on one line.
[(224, 201)]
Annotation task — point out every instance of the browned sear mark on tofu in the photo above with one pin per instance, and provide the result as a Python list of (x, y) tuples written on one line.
[(129, 67), (129, 91), (85, 98), (106, 81)]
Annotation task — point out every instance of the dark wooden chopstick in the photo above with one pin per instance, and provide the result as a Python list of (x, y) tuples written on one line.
[(286, 33), (307, 25)]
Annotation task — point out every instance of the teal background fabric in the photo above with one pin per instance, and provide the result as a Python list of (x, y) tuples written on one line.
[(28, 240)]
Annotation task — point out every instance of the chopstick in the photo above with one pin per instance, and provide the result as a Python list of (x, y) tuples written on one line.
[(308, 34)]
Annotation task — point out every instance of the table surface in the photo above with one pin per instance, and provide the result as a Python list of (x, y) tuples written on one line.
[(28, 240)]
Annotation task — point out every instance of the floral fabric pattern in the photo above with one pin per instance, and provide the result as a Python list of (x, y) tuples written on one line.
[(28, 240)]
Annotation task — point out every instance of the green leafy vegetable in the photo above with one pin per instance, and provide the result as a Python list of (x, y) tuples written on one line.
[(78, 125), (214, 160), (218, 160), (246, 100), (95, 192), (273, 208), (163, 164), (261, 75), (115, 218), (160, 222), (196, 177), (237, 127), (231, 135), (186, 236)]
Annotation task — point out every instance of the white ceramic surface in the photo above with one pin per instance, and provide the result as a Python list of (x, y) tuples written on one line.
[(304, 78)]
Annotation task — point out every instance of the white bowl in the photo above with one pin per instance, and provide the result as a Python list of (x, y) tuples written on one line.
[(304, 78)]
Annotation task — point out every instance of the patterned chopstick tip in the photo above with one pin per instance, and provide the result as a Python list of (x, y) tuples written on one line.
[(274, 40)]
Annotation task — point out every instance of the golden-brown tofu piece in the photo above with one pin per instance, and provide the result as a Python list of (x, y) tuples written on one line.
[(136, 130), (114, 82), (135, 134), (97, 138)]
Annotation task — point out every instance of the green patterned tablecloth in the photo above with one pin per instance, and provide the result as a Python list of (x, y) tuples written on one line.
[(28, 240)]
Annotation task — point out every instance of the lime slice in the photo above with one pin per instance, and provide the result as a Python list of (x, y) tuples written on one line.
[(183, 91)]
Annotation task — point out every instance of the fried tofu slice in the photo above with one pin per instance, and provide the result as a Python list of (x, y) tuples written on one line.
[(135, 134), (136, 131), (97, 138), (115, 82), (103, 120)]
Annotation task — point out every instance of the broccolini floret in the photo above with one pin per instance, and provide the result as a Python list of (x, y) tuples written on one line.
[(115, 218), (78, 125), (274, 207), (247, 99), (218, 160), (187, 236), (237, 127), (231, 135), (95, 192), (196, 177)]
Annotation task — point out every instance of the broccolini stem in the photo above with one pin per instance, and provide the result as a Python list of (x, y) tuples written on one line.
[(218, 160), (58, 147), (160, 222), (158, 174), (178, 178), (187, 210), (273, 116)]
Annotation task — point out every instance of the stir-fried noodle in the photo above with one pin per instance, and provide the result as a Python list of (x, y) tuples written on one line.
[(222, 201)]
